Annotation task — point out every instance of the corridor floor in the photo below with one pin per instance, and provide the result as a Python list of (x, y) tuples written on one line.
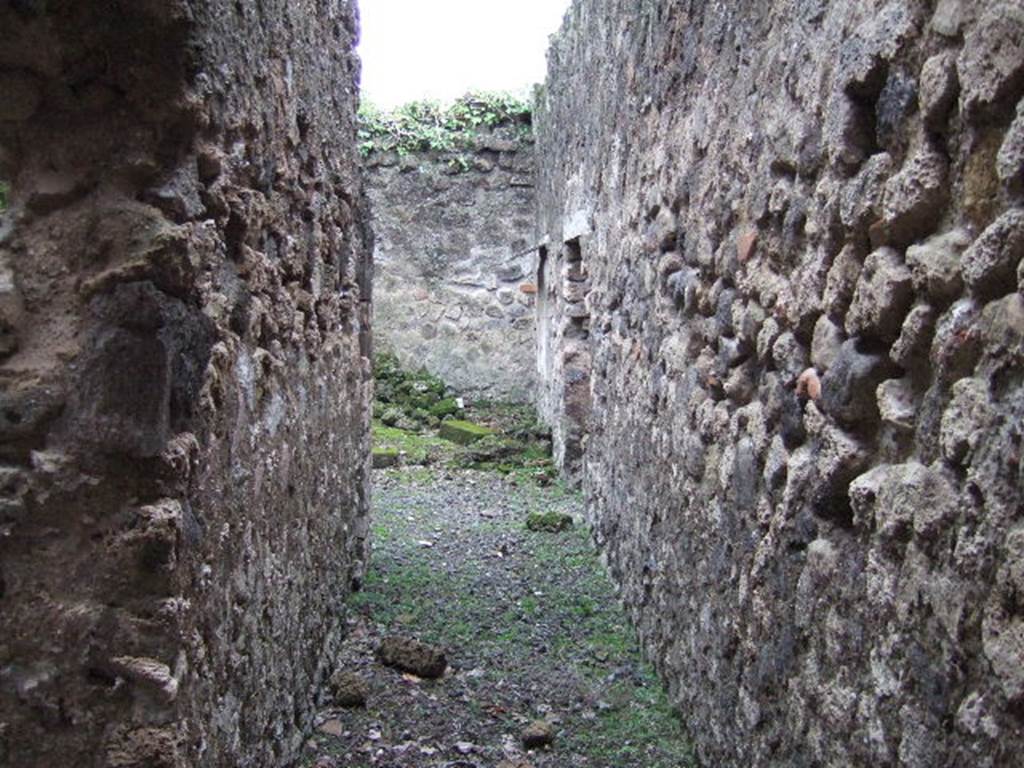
[(531, 630)]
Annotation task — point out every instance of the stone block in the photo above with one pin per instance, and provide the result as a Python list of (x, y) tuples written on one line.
[(463, 432), (848, 388), (412, 656), (989, 265), (990, 65), (882, 297), (914, 194), (939, 89), (842, 281), (965, 419), (896, 403), (382, 458), (935, 266), (825, 345)]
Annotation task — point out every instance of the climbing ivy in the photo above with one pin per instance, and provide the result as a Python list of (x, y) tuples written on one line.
[(424, 126)]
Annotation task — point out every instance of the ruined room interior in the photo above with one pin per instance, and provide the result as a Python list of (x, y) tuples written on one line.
[(666, 413)]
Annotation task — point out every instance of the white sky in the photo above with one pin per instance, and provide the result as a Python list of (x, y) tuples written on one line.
[(439, 49)]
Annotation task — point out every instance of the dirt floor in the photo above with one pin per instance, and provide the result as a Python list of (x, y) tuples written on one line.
[(529, 626)]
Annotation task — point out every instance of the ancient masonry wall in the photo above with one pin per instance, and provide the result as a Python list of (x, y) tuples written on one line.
[(452, 260), (797, 227), (184, 357)]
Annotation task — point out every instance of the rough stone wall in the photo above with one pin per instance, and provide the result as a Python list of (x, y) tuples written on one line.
[(803, 232), (452, 260), (184, 357)]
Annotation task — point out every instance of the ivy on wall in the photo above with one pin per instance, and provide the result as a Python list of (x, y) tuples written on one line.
[(426, 126)]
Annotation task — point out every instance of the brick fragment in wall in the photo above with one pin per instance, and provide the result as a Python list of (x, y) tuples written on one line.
[(183, 339), (841, 467)]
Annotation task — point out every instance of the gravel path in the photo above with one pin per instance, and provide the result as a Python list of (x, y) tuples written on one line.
[(529, 625)]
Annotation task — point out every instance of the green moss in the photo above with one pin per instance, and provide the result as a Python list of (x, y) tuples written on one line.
[(4, 192), (502, 437), (464, 432), (406, 399), (552, 522), (446, 407), (415, 448)]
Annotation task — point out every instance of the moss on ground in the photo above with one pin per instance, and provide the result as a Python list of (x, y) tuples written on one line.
[(463, 432), (552, 522), (411, 447), (414, 410), (410, 400)]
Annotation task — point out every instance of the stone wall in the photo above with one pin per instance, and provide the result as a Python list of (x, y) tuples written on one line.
[(184, 357), (453, 234), (800, 237)]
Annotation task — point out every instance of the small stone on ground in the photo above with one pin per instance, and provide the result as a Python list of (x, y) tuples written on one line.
[(350, 690), (538, 734), (412, 656)]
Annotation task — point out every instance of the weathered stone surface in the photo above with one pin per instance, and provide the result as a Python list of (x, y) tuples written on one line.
[(882, 297), (990, 66), (1003, 627), (914, 194), (451, 250), (935, 266), (965, 420), (22, 95), (842, 281), (902, 500), (185, 268), (915, 337), (990, 264), (954, 350), (896, 403), (861, 202), (821, 581), (1010, 160), (939, 89)]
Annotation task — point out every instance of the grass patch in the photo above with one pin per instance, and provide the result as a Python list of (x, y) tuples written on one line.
[(412, 447), (637, 715)]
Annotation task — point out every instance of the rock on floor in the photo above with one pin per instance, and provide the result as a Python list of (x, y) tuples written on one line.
[(412, 656)]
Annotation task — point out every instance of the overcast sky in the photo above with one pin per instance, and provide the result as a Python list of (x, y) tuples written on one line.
[(439, 49)]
